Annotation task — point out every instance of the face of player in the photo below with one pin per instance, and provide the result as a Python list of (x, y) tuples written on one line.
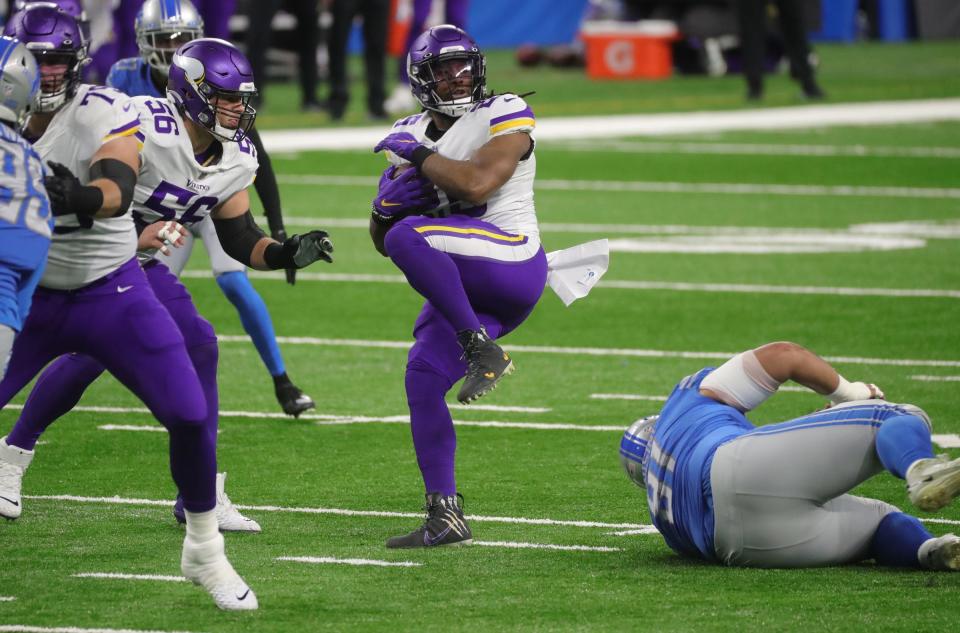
[(53, 73), (454, 79), (228, 110)]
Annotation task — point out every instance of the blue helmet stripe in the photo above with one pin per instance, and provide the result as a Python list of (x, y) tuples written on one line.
[(8, 46), (169, 9)]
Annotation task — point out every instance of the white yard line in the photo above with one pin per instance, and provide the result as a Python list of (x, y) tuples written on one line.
[(27, 628), (626, 528), (647, 529), (496, 407), (640, 186), (936, 378), (591, 351), (928, 229), (345, 512), (7, 598), (619, 126), (119, 576), (628, 285), (626, 396), (336, 420), (563, 548), (946, 440), (755, 149), (329, 560)]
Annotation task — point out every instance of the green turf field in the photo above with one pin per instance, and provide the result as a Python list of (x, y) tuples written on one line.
[(317, 485)]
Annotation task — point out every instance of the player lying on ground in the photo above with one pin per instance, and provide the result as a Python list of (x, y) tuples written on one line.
[(720, 489)]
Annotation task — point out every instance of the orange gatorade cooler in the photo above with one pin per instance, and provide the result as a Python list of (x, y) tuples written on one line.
[(629, 50)]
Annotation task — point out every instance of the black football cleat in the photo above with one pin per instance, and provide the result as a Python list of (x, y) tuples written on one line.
[(487, 363), (292, 400), (445, 525)]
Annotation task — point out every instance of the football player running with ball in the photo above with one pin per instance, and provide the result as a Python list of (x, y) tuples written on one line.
[(461, 225), (720, 489)]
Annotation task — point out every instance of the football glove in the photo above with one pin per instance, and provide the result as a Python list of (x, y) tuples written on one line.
[(406, 146), (406, 194), (308, 248), (69, 196)]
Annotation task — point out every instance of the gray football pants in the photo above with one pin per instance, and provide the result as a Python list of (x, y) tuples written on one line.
[(779, 493)]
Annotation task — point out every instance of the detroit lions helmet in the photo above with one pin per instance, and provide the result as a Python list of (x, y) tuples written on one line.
[(72, 7), (54, 38), (439, 57), (633, 447), (207, 77), (162, 26), (19, 81)]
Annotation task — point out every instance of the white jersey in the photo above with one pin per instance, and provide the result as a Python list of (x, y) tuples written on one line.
[(83, 251), (173, 184), (511, 207)]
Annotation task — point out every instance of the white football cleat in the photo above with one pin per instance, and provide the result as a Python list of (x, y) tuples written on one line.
[(13, 463), (942, 554), (229, 518), (933, 483), (206, 565)]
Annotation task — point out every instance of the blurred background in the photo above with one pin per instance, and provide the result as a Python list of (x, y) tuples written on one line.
[(321, 62)]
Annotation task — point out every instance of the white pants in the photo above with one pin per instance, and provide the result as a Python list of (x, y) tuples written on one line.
[(220, 262), (779, 493)]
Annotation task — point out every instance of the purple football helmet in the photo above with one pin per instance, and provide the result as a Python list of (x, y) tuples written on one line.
[(209, 69), (443, 58), (72, 7), (54, 38)]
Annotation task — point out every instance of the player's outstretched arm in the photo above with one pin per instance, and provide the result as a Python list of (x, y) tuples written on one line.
[(472, 180), (246, 242), (748, 379), (113, 176)]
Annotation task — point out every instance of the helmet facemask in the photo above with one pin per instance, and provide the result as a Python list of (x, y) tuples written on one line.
[(56, 90), (450, 83), (158, 47)]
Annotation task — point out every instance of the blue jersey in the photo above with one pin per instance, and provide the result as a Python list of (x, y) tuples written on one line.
[(26, 222), (676, 467), (131, 76)]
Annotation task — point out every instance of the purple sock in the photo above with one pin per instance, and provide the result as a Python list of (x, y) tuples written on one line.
[(57, 391), (434, 439), (901, 441), (433, 274), (897, 540)]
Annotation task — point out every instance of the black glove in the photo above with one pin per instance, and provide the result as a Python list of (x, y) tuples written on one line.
[(299, 251), (281, 236), (69, 196)]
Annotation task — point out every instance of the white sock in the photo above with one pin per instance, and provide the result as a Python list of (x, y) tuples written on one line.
[(910, 468), (202, 526)]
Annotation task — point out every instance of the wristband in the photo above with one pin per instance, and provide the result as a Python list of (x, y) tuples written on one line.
[(87, 200), (849, 391), (420, 154), (275, 256)]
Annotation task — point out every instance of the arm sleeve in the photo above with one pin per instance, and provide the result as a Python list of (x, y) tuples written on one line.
[(741, 382), (266, 185)]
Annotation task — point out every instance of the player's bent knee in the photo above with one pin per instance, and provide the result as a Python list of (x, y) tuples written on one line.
[(399, 237), (912, 409), (425, 381), (198, 332)]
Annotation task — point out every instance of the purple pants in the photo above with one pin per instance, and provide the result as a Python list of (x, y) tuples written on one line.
[(143, 328), (471, 274)]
